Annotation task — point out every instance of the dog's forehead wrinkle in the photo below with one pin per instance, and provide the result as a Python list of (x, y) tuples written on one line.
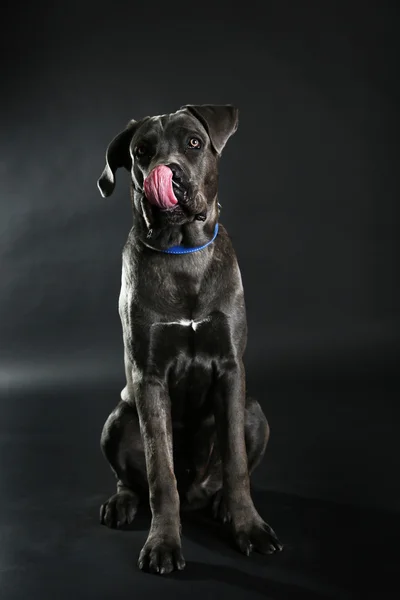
[(168, 127), (158, 121), (183, 129), (151, 127), (185, 119)]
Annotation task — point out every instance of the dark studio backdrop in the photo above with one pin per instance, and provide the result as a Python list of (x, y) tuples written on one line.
[(309, 193)]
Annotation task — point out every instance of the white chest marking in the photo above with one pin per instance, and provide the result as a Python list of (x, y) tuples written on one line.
[(184, 322)]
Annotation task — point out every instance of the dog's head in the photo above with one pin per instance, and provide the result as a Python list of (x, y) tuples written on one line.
[(173, 160)]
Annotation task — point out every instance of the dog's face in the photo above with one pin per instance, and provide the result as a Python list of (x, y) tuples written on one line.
[(173, 161)]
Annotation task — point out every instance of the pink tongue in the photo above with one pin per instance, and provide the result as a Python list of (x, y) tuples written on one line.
[(158, 187)]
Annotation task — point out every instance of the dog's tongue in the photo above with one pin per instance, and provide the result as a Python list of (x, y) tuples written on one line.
[(158, 187)]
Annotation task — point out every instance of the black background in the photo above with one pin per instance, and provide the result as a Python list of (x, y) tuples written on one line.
[(309, 193)]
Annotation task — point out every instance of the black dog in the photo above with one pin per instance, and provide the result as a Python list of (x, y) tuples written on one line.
[(184, 428)]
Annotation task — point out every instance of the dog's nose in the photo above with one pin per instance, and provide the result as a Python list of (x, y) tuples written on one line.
[(177, 172), (179, 182)]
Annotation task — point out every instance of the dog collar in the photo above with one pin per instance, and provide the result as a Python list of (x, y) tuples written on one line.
[(180, 249)]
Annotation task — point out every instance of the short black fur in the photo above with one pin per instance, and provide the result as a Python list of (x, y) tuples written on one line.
[(184, 433)]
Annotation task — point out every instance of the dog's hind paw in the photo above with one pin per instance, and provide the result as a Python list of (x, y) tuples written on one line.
[(219, 509), (119, 510)]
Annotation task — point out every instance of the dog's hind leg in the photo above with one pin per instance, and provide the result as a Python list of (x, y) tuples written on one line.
[(256, 438), (121, 444), (256, 432), (207, 467), (209, 488)]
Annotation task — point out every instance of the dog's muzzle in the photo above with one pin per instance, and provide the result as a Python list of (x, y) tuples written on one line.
[(165, 186)]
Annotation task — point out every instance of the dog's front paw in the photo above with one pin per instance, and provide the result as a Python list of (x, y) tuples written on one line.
[(259, 536), (119, 510), (161, 554)]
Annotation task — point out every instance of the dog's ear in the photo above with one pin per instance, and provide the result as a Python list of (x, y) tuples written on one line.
[(117, 156), (219, 120)]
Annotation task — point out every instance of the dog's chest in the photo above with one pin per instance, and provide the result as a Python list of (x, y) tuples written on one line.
[(183, 357), (181, 353), (178, 326), (191, 323), (165, 324), (173, 295), (181, 342)]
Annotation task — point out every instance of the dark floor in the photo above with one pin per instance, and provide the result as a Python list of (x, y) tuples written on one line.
[(54, 478)]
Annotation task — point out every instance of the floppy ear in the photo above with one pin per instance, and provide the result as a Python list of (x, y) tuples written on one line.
[(220, 121), (117, 156)]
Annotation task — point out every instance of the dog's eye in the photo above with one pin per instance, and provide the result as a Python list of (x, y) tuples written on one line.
[(141, 150), (194, 143)]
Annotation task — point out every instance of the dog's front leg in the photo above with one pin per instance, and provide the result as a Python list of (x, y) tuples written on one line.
[(249, 529), (162, 550)]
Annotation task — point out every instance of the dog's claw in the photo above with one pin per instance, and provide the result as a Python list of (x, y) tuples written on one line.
[(259, 537), (161, 556), (244, 544), (219, 509)]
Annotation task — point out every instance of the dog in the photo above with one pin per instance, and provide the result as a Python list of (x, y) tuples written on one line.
[(185, 434)]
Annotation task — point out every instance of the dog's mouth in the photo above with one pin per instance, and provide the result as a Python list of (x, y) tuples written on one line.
[(164, 187)]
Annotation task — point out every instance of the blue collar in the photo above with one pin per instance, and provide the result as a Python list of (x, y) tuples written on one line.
[(186, 249)]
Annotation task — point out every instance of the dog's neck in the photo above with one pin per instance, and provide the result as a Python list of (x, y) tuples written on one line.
[(173, 238), (181, 249)]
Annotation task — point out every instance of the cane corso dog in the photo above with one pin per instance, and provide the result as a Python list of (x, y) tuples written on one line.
[(185, 434)]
